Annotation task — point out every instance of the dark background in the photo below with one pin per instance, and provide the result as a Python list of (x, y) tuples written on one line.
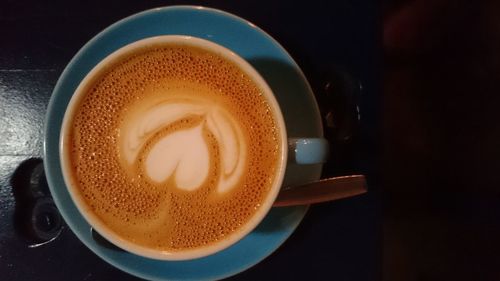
[(428, 138), (441, 140)]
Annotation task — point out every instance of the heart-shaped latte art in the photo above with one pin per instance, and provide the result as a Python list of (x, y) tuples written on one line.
[(184, 153)]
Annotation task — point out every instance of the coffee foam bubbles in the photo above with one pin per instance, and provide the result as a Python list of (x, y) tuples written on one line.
[(184, 154), (173, 94)]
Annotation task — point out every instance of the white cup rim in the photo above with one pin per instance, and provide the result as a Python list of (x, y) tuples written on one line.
[(141, 250)]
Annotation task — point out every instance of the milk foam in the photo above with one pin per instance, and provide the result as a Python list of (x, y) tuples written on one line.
[(184, 154)]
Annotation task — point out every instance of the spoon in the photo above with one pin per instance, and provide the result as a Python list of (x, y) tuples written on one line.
[(324, 190)]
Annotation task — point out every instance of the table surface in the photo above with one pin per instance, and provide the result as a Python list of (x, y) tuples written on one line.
[(336, 241)]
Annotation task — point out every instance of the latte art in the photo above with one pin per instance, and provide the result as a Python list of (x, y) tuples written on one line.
[(173, 148), (184, 154)]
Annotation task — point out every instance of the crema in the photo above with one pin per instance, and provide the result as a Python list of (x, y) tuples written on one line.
[(173, 147)]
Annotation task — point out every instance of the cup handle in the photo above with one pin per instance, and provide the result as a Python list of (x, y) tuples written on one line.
[(308, 150)]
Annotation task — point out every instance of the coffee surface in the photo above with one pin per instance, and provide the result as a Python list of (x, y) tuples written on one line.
[(173, 147)]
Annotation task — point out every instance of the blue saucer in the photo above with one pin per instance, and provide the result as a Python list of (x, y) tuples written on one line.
[(278, 69)]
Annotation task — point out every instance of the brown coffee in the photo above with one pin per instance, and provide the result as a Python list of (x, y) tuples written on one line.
[(173, 147)]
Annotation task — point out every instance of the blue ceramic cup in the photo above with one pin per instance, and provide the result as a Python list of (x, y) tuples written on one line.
[(302, 150)]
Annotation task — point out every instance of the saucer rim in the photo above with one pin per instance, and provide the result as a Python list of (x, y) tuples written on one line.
[(55, 171)]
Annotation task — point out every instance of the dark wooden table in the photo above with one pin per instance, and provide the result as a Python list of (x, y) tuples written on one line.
[(336, 241)]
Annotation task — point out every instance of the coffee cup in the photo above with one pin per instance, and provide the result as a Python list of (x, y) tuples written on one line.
[(175, 148)]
